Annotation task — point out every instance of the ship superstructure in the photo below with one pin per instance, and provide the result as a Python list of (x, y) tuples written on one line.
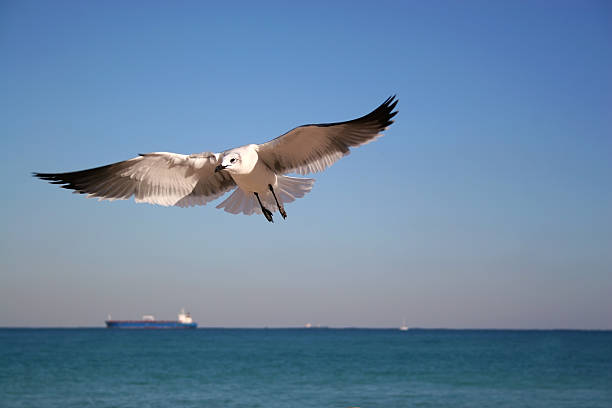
[(184, 321)]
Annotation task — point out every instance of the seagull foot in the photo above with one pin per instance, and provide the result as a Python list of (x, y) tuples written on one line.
[(281, 209), (267, 213)]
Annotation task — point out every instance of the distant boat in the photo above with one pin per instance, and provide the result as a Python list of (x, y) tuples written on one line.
[(404, 327), (184, 321), (312, 326)]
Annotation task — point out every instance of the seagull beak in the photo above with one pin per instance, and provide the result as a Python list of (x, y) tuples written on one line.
[(219, 168)]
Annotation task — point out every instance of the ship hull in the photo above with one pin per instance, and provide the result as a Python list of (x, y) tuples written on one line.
[(155, 324)]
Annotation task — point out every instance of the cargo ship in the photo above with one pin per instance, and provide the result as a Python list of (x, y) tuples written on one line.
[(184, 321)]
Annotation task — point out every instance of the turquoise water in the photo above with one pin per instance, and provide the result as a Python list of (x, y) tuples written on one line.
[(304, 368)]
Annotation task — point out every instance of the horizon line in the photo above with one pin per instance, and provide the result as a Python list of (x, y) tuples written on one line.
[(306, 328)]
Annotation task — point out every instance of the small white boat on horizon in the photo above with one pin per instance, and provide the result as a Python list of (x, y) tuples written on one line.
[(404, 327)]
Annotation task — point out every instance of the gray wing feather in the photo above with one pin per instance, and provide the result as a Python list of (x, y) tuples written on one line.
[(157, 178), (313, 148)]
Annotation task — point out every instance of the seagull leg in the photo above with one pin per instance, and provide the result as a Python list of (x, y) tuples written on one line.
[(265, 211), (281, 209)]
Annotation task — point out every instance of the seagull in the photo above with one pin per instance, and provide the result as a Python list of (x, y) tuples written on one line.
[(256, 172)]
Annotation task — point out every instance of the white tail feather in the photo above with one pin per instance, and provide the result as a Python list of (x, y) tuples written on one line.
[(287, 190)]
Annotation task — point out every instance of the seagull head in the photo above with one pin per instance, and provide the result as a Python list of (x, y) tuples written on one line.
[(229, 162)]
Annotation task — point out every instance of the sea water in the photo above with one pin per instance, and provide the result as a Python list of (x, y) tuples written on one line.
[(304, 368)]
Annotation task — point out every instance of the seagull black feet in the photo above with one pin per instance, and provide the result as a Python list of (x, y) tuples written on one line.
[(265, 211), (281, 209)]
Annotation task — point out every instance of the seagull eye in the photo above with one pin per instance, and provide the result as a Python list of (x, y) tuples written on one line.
[(232, 160)]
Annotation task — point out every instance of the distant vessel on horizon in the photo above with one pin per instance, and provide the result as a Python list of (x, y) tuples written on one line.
[(184, 321), (312, 326), (403, 326)]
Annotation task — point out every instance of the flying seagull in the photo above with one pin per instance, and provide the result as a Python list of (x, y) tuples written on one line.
[(257, 170)]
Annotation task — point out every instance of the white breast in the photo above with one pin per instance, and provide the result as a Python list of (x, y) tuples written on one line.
[(257, 180)]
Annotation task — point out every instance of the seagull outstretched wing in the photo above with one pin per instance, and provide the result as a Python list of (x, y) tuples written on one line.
[(157, 178), (313, 148)]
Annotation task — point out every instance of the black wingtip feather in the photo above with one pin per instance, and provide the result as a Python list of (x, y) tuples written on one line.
[(381, 116), (76, 180), (45, 176)]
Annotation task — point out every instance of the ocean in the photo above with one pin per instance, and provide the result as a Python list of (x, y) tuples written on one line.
[(304, 368)]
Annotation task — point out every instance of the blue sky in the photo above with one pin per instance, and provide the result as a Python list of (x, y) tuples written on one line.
[(487, 204)]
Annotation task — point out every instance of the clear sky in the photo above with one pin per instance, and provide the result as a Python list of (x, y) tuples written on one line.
[(487, 204)]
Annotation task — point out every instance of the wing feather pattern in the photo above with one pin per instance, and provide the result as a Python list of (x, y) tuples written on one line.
[(313, 148), (156, 178)]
